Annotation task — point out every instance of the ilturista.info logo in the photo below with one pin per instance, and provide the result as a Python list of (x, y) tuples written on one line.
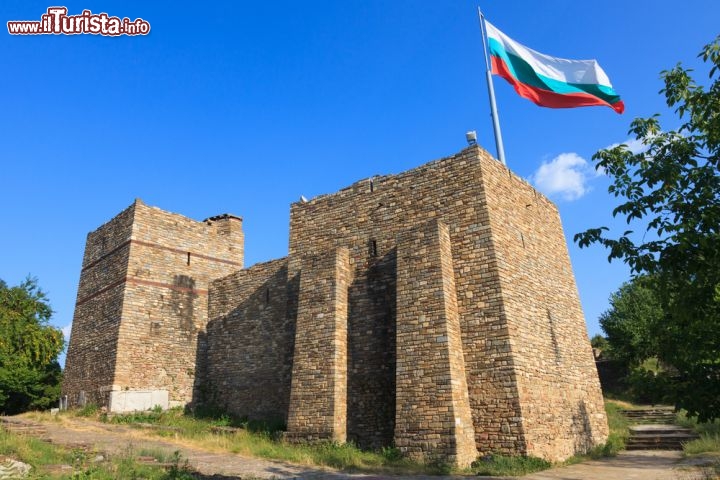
[(57, 22)]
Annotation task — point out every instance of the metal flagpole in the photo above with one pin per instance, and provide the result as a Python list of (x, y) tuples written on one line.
[(491, 91)]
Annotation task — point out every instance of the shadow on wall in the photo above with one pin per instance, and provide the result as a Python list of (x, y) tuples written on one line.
[(371, 352), (582, 427), (246, 363), (200, 392)]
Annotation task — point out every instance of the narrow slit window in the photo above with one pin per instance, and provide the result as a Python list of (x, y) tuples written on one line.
[(267, 296), (373, 248), (188, 258)]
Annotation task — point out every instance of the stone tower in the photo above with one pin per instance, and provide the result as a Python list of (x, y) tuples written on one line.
[(141, 309), (444, 306), (434, 309)]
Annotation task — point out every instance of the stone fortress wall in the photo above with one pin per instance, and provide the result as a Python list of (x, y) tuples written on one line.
[(435, 310), (141, 308)]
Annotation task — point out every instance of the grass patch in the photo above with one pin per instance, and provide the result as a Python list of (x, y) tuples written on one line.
[(619, 430), (264, 440), (709, 441), (89, 410), (31, 450), (500, 465), (614, 444), (84, 465), (704, 444), (709, 428), (161, 456), (259, 439), (345, 456)]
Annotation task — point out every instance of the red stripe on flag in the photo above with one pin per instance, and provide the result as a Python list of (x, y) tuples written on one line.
[(547, 98)]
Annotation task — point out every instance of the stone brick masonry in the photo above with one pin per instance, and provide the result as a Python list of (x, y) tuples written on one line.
[(141, 309), (318, 396), (434, 310), (433, 406), (249, 325)]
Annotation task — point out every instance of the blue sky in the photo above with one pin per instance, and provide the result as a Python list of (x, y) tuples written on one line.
[(242, 107)]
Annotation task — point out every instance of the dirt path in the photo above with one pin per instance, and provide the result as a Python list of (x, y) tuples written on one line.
[(116, 439), (629, 465)]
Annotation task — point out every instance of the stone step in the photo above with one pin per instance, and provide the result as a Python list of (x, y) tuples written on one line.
[(659, 437), (654, 446), (646, 413), (29, 428), (642, 421), (658, 445), (664, 437), (654, 408), (658, 428), (650, 415)]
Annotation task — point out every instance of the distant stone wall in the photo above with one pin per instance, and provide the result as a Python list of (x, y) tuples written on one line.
[(250, 343)]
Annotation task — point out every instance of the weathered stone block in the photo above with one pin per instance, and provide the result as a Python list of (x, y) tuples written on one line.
[(318, 395)]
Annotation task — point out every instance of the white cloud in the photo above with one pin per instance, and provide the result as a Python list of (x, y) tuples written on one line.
[(566, 176), (634, 145), (66, 332)]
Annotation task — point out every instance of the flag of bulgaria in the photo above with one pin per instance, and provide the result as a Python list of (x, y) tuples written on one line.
[(549, 81)]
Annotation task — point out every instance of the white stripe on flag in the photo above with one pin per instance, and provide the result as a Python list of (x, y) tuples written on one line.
[(564, 70)]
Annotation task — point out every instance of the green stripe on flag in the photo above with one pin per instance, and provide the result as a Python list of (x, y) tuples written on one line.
[(521, 70)]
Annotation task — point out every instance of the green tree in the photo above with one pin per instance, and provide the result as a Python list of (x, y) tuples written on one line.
[(631, 322), (672, 189), (599, 342), (29, 347)]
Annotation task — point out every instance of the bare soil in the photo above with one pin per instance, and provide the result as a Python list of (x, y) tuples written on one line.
[(110, 439)]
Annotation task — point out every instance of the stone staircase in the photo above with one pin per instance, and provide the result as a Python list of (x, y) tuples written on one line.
[(23, 428), (654, 429), (650, 415)]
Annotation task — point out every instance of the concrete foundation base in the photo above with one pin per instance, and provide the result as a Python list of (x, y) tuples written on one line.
[(138, 400)]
